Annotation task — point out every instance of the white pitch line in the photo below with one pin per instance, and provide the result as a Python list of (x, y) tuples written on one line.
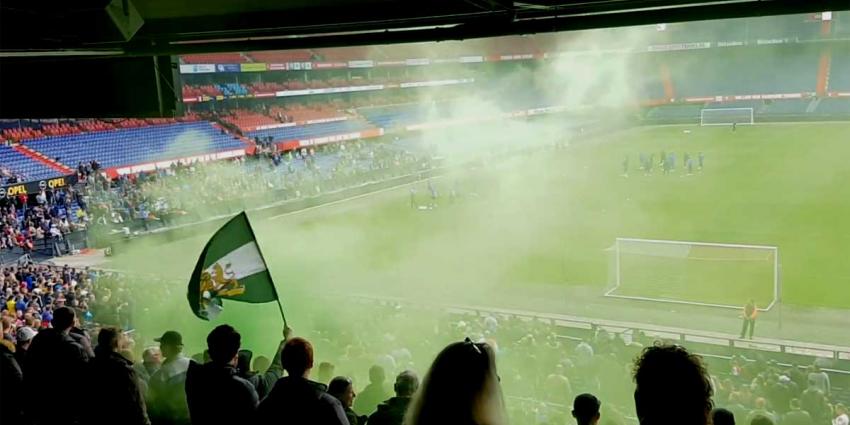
[(340, 201)]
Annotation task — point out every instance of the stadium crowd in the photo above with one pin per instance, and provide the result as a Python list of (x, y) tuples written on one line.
[(203, 189), (368, 373), (27, 221)]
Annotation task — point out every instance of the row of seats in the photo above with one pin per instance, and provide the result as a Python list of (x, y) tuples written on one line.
[(137, 145), (312, 130), (24, 166)]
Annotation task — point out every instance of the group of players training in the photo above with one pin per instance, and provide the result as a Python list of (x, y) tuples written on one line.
[(667, 163)]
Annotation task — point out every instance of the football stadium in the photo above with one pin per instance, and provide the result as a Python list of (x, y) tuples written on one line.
[(641, 211)]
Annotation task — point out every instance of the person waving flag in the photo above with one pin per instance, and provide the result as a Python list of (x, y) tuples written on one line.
[(231, 267)]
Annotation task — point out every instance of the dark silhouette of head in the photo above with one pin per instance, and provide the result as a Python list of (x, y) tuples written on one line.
[(343, 390), (406, 384), (671, 386), (721, 416), (223, 343), (461, 387), (761, 420), (110, 339), (63, 319), (377, 375), (243, 361), (586, 409), (297, 357)]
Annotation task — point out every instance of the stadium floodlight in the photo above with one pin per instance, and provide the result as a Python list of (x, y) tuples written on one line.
[(695, 273), (726, 116)]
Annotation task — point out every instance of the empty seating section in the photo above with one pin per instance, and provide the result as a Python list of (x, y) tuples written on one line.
[(839, 75), (214, 58), (298, 113), (675, 112), (20, 164), (248, 120), (745, 71), (311, 131), (137, 145), (282, 56), (396, 116)]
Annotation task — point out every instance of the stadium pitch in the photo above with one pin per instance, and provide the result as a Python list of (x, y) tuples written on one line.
[(536, 230)]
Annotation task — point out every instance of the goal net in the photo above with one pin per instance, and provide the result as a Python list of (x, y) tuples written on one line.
[(726, 116), (696, 273)]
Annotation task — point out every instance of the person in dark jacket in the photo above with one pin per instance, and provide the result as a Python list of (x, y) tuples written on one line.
[(391, 412), (342, 389), (214, 391), (114, 383), (374, 393), (11, 383), (68, 359), (264, 381), (297, 399)]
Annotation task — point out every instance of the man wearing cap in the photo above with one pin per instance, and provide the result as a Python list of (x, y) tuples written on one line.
[(24, 336), (166, 397), (391, 412), (586, 409)]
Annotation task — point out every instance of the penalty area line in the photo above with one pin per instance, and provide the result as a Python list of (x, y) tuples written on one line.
[(340, 201)]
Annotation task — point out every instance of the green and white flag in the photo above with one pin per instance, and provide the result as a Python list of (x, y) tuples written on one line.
[(230, 267)]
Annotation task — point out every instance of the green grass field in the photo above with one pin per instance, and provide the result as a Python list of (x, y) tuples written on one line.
[(548, 218)]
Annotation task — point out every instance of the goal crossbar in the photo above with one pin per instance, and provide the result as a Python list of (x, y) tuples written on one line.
[(747, 116), (617, 253)]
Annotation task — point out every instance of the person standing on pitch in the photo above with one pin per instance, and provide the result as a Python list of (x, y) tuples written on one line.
[(749, 317)]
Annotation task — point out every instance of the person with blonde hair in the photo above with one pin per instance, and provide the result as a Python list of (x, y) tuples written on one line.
[(461, 388)]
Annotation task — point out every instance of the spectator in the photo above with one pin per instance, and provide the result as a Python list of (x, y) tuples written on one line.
[(166, 396), (819, 379), (374, 393), (68, 358), (209, 384), (796, 416), (151, 361), (295, 396), (11, 382), (263, 382), (262, 362), (841, 416), (326, 372), (671, 386), (721, 416), (461, 387), (392, 411), (586, 409), (761, 420), (761, 410), (25, 336), (114, 383), (343, 390)]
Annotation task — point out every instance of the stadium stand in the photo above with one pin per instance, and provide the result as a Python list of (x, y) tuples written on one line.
[(137, 145), (757, 71), (214, 58), (282, 56), (245, 119), (839, 75), (311, 130), (25, 167)]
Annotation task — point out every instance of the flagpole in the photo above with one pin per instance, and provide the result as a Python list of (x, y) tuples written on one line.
[(260, 251)]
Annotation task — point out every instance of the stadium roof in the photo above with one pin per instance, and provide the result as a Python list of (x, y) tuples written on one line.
[(158, 27)]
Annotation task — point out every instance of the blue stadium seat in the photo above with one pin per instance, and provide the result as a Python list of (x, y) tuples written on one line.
[(137, 145), (29, 168)]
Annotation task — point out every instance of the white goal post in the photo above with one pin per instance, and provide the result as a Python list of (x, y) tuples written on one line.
[(726, 116), (694, 273)]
